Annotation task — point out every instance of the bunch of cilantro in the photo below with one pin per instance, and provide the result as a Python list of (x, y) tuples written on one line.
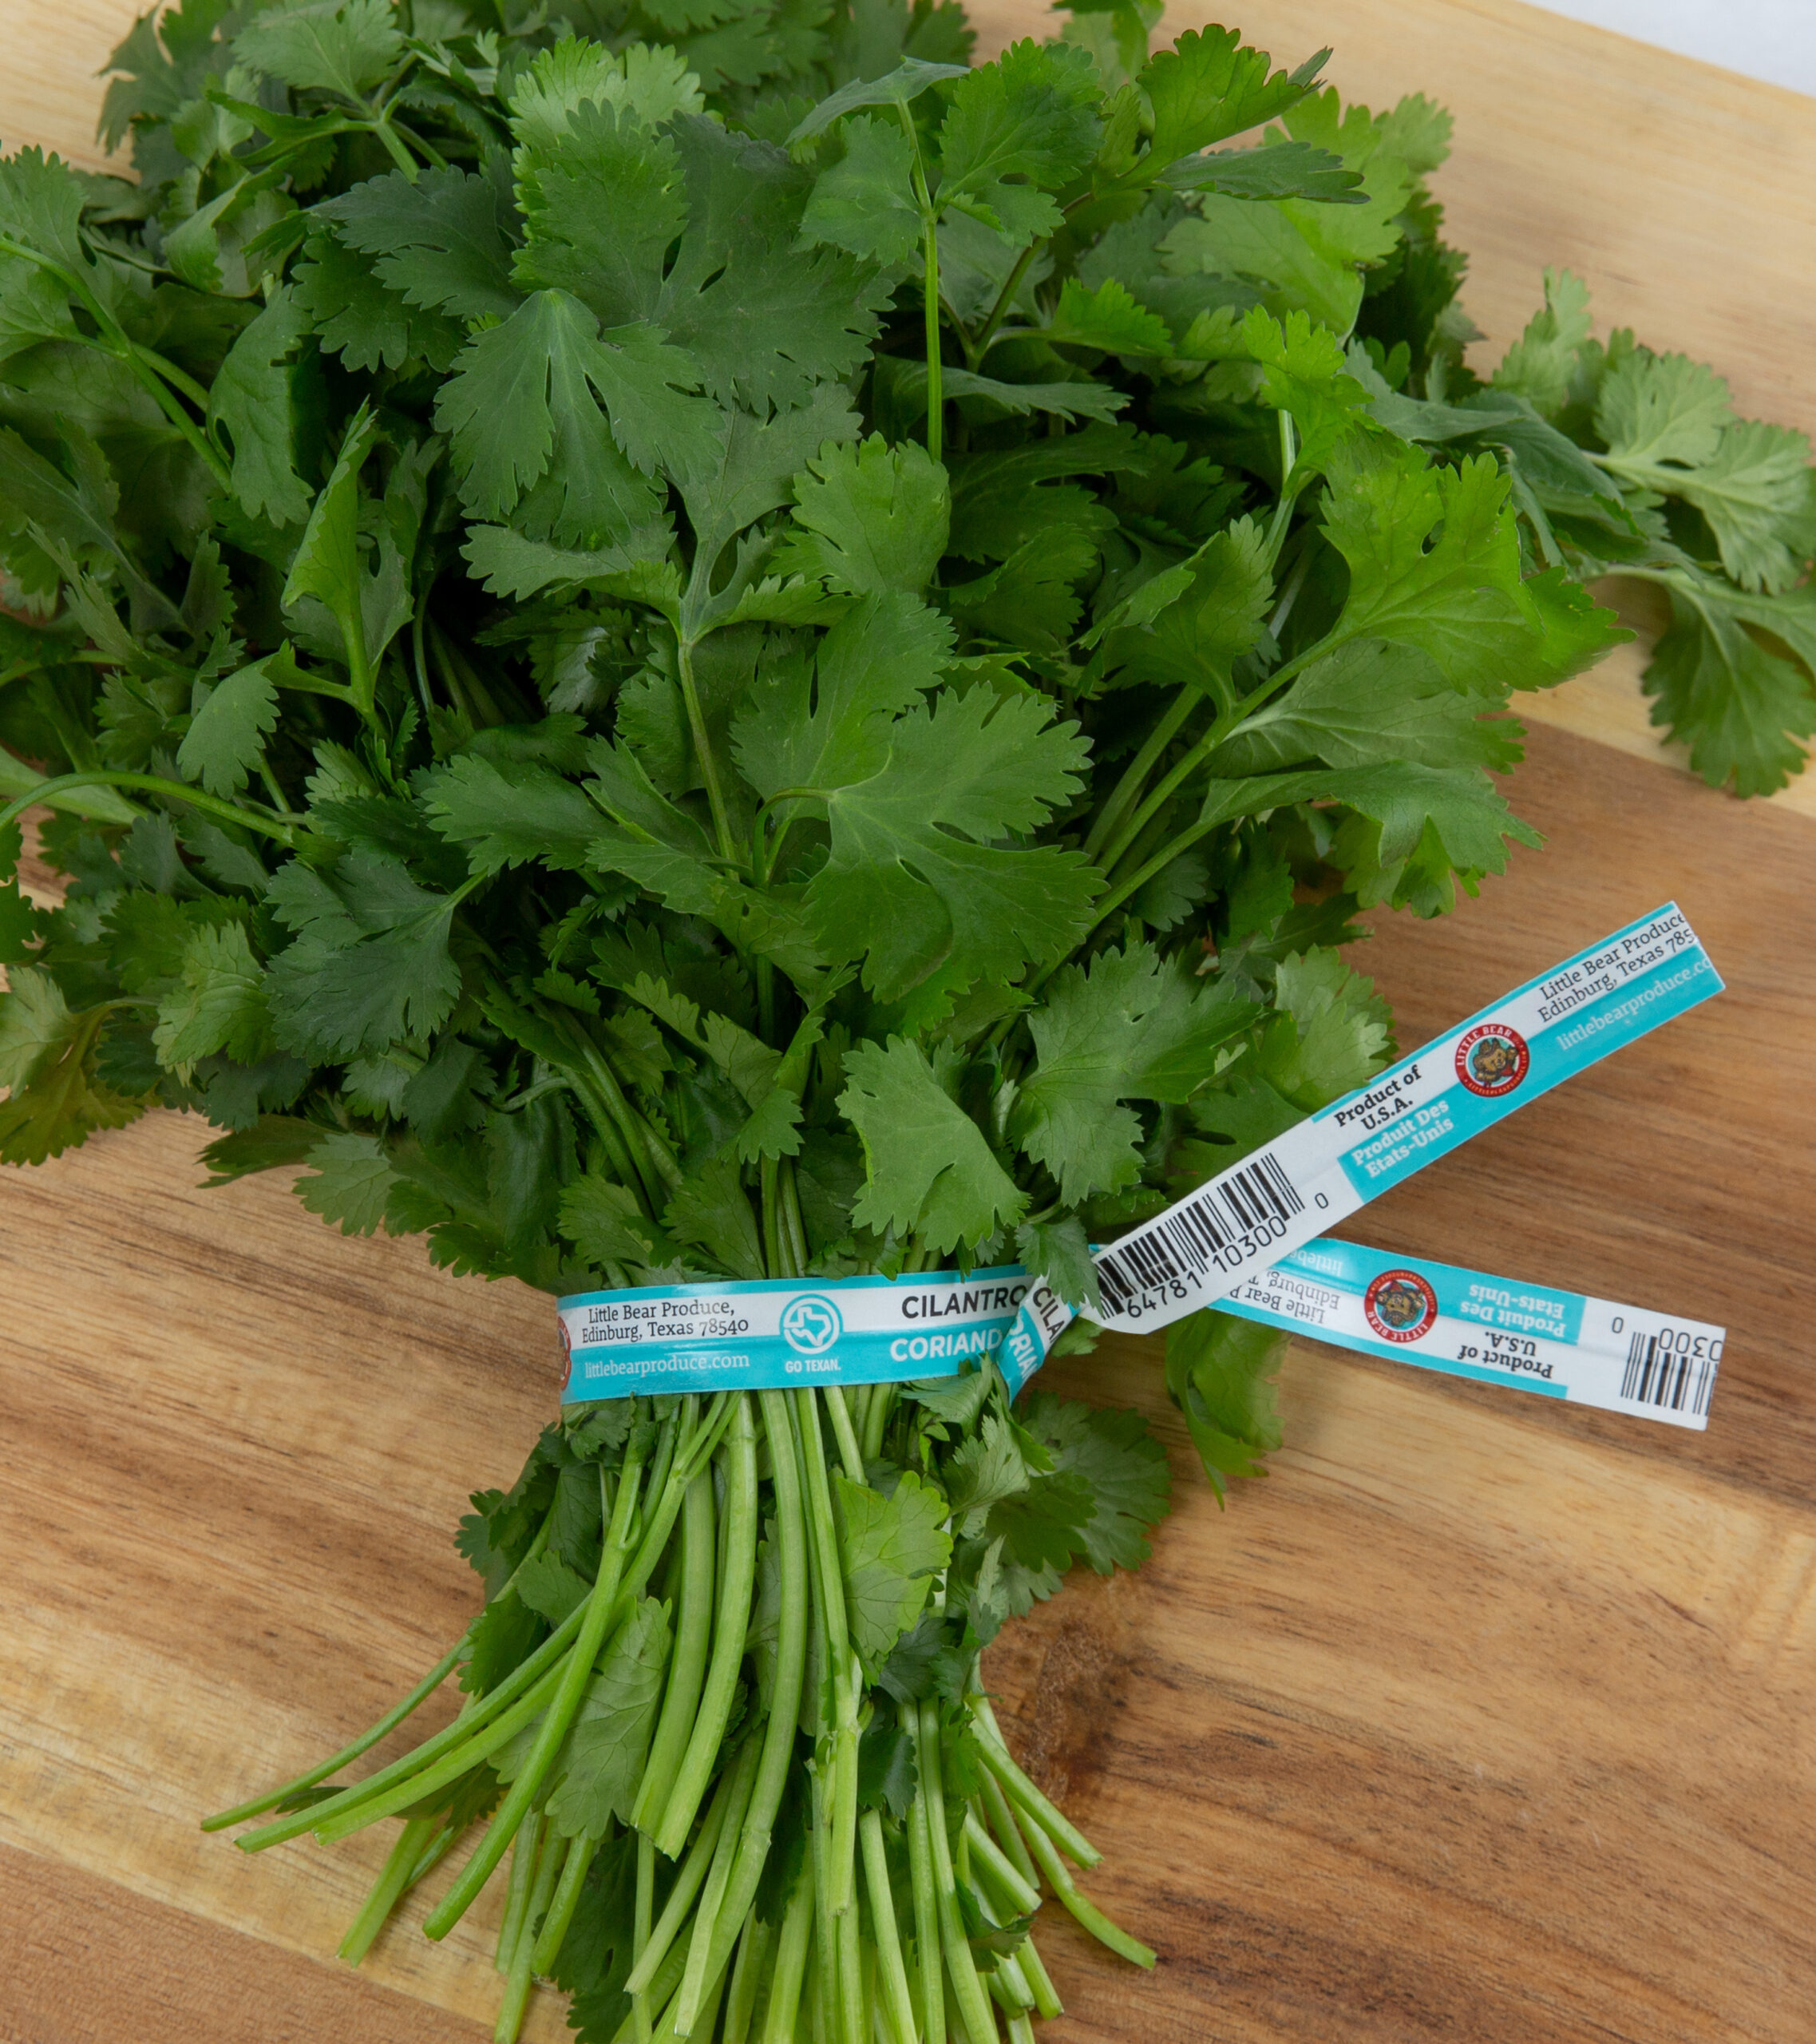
[(697, 641)]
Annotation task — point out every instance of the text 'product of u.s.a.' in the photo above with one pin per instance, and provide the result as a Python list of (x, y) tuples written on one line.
[(1295, 1187), (1521, 1335)]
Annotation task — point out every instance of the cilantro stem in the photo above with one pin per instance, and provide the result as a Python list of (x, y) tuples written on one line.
[(547, 1860), (1080, 1907), (1135, 775), (737, 1576), (269, 826), (687, 1666), (554, 1932), (747, 1976), (333, 1820), (688, 1882), (1022, 1793), (367, 1739), (974, 2004), (1008, 1832), (896, 1998), (975, 352), (696, 1978), (393, 1878), (116, 342), (849, 1453), (790, 1671), (844, 1678), (517, 1892), (565, 1702), (703, 749), (929, 286), (781, 2021), (926, 1906)]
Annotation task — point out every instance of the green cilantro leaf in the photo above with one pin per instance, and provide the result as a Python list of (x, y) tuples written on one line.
[(917, 878), (437, 241), (929, 1168), (1539, 366), (875, 517), (1124, 1465), (1670, 428), (1129, 1027), (370, 964), (1367, 702), (828, 721), (892, 1548), (47, 1058), (508, 813), (227, 736), (1031, 116), (1219, 1372), (348, 1180), (344, 46), (1211, 86), (601, 1766), (217, 1004), (1741, 708), (864, 202)]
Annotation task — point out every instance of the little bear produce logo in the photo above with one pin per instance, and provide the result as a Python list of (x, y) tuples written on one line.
[(1400, 1304), (1492, 1061)]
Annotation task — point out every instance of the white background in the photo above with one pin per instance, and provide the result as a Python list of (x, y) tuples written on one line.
[(1774, 40)]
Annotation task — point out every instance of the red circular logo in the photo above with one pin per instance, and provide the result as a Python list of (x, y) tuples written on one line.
[(1493, 1060), (566, 1351), (1400, 1306)]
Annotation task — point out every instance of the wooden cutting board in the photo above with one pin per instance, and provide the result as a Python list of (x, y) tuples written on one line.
[(1477, 1721)]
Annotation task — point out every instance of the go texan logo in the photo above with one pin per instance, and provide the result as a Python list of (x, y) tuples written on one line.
[(810, 1324)]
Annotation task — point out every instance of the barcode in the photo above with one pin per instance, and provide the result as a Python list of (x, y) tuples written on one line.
[(1186, 1241), (1660, 1373)]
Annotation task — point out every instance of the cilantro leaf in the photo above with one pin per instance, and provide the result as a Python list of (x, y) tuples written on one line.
[(1540, 364), (1031, 116), (361, 319), (929, 1169), (1124, 1465), (1128, 1027), (525, 395), (893, 1547), (904, 890), (348, 1180), (219, 1003), (47, 1060), (1330, 1032), (508, 813), (1670, 428), (437, 241), (900, 87), (1219, 1372), (265, 397), (1211, 86), (1741, 708), (601, 1767), (344, 46), (370, 964), (652, 85), (864, 202), (227, 734), (1366, 702), (827, 722), (874, 517)]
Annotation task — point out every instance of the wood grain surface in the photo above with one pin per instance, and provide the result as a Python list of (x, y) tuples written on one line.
[(1478, 1720)]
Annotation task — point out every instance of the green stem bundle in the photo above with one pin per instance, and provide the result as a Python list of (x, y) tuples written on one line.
[(684, 1754)]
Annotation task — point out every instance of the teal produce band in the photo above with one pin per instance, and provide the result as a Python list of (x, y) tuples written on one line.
[(1237, 1233)]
